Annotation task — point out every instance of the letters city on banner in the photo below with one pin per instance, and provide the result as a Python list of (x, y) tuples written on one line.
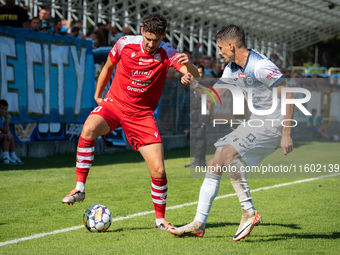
[(46, 78)]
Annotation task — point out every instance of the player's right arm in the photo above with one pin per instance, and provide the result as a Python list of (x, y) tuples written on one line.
[(103, 79)]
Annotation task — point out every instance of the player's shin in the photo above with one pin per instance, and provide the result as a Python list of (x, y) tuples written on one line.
[(239, 181), (208, 192), (159, 191), (85, 156)]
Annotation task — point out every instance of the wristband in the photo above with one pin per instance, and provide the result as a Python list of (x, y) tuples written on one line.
[(193, 83)]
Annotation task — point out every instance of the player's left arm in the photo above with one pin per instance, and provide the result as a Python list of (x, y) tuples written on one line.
[(187, 67), (286, 140)]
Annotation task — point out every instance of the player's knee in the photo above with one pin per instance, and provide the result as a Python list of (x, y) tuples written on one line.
[(158, 171), (229, 154), (211, 162), (89, 131)]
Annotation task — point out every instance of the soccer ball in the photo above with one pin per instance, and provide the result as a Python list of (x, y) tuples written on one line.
[(97, 218), (336, 138)]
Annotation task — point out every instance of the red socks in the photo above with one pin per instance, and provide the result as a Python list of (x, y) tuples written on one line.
[(159, 191), (85, 155)]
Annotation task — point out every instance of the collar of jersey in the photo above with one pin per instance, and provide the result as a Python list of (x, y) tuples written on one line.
[(144, 51), (245, 65)]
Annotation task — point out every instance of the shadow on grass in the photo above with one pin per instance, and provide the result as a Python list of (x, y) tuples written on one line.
[(278, 237), (125, 229), (69, 160), (114, 230), (225, 224)]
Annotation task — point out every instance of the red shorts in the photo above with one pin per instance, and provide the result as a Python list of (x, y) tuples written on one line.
[(140, 127)]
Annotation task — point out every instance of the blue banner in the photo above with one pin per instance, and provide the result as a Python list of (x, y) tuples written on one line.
[(46, 78)]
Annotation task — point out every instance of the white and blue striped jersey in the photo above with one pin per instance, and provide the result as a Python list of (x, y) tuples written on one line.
[(260, 74)]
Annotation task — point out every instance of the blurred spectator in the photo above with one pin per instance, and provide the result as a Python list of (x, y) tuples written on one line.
[(35, 24), (75, 31), (102, 41), (45, 28), (288, 73), (294, 80), (66, 24), (208, 71), (112, 33), (196, 54), (335, 81), (275, 59), (125, 31), (198, 126), (91, 36), (107, 31), (316, 84), (13, 15), (6, 138), (45, 18), (58, 28), (316, 124), (79, 24)]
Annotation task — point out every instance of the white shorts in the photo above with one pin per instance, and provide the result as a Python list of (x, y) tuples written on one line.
[(252, 143)]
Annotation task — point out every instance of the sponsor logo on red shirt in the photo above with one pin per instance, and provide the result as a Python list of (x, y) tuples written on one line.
[(241, 75), (146, 59), (141, 73)]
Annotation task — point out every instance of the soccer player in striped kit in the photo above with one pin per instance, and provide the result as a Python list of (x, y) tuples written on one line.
[(247, 68), (142, 63)]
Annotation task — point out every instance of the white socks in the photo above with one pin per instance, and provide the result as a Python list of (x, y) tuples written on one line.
[(13, 155), (211, 185), (209, 191), (5, 154), (159, 221), (239, 181), (80, 186)]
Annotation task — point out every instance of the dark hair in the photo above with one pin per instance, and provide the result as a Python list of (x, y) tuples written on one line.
[(75, 29), (3, 102), (200, 66), (35, 18), (155, 23), (232, 32), (90, 32), (57, 21)]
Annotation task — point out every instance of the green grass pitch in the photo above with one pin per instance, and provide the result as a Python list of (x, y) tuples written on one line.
[(297, 219)]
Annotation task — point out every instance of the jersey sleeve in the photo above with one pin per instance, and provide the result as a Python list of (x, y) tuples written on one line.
[(268, 73), (116, 51), (172, 53)]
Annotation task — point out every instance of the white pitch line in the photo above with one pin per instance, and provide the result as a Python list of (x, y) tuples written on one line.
[(150, 212)]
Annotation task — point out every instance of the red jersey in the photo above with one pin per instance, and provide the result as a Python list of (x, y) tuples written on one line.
[(140, 75)]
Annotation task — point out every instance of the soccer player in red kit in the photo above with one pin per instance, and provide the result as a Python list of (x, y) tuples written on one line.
[(142, 64)]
